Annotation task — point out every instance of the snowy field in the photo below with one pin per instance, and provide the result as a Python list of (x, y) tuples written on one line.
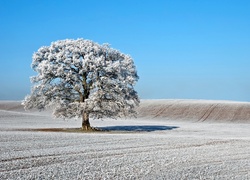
[(171, 139)]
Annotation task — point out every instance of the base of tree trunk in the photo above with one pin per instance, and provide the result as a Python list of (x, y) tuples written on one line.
[(85, 122), (86, 126), (89, 128)]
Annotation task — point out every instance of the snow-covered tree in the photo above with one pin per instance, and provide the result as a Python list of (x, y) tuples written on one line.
[(83, 79)]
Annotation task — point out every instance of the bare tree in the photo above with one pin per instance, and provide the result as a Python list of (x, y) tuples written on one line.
[(83, 79)]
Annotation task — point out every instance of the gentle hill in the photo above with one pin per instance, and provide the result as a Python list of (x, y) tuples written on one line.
[(184, 110), (195, 110), (11, 106), (16, 106)]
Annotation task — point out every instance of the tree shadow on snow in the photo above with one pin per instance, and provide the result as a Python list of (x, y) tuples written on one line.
[(147, 128), (144, 128)]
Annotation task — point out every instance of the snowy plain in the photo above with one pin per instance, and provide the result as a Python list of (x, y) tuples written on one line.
[(170, 139)]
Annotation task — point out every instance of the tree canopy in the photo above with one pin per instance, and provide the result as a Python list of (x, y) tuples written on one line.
[(81, 78)]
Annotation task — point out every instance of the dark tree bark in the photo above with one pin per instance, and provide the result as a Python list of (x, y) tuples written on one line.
[(85, 115), (85, 122)]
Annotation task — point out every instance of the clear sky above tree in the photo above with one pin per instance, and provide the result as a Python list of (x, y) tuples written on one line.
[(182, 49)]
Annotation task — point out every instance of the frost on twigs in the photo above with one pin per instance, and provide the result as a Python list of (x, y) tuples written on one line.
[(82, 79)]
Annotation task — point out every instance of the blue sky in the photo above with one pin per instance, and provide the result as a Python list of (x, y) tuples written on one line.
[(183, 49)]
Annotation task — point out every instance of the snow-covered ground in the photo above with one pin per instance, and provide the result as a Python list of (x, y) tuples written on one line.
[(154, 146)]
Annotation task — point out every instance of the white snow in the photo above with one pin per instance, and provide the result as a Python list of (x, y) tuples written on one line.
[(76, 78), (143, 148)]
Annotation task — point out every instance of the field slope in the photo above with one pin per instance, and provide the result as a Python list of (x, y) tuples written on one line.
[(170, 139), (196, 110)]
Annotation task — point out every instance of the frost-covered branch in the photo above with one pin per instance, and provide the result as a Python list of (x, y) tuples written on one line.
[(81, 76)]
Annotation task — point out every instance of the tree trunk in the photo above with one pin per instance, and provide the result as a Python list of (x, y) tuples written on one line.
[(85, 122)]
